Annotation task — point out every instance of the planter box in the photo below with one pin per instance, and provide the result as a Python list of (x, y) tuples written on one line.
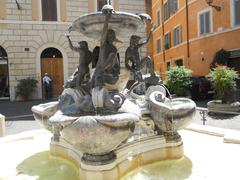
[(218, 107)]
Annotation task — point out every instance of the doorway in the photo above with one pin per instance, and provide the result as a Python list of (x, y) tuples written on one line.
[(234, 63), (4, 76), (52, 63)]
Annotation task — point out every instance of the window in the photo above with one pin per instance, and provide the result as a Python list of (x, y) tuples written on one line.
[(177, 35), (167, 41), (179, 62), (159, 48), (166, 13), (49, 10), (100, 4), (205, 22), (236, 11), (173, 6), (169, 8), (158, 18)]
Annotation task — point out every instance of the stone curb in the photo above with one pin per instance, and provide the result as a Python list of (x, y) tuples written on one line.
[(2, 125), (24, 135), (229, 136)]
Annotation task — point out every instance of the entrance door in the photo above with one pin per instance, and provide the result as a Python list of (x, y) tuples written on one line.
[(52, 63), (4, 87), (54, 68)]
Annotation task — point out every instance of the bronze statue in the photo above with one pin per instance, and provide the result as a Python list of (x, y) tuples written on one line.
[(85, 58), (108, 65), (133, 61)]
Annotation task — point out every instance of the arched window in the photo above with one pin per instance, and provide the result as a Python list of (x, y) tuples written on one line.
[(4, 87), (51, 53)]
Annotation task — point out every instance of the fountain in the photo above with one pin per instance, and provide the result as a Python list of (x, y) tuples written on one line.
[(105, 129)]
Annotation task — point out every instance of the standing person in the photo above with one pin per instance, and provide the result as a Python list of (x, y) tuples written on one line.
[(47, 86)]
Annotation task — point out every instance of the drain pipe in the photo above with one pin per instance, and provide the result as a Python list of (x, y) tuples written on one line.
[(163, 31), (187, 31)]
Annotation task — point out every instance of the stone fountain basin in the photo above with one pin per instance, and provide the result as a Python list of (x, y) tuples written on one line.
[(178, 110), (91, 25), (98, 135), (43, 112)]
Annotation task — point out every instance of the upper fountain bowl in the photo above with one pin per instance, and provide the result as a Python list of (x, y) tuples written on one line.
[(91, 25)]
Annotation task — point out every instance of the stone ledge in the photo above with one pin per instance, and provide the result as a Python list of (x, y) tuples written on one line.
[(129, 156), (2, 125), (228, 135)]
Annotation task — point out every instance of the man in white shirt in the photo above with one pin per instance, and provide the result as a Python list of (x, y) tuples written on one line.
[(47, 86)]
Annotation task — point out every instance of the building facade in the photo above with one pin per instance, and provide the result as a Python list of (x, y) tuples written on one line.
[(32, 40), (195, 33)]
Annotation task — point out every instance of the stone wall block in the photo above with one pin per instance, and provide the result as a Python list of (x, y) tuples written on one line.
[(2, 125), (50, 36)]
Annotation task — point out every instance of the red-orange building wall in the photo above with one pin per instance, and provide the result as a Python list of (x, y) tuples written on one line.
[(197, 51)]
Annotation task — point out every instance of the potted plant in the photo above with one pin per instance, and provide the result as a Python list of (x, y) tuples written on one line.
[(179, 80), (26, 87), (223, 80)]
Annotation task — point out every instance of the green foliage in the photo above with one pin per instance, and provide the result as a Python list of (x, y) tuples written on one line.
[(223, 81), (179, 80), (26, 87)]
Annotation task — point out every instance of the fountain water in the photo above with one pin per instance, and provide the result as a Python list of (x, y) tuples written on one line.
[(95, 123)]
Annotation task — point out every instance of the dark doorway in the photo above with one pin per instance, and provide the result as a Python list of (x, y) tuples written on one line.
[(4, 76), (235, 64)]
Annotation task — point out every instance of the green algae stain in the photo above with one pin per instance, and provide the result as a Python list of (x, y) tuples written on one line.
[(163, 170), (42, 166)]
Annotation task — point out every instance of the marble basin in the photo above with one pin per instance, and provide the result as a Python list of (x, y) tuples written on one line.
[(43, 112), (99, 135), (178, 111), (124, 24)]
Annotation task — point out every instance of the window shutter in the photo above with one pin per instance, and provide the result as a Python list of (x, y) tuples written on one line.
[(207, 22), (158, 45), (158, 18), (180, 34), (171, 7), (175, 5), (202, 24), (237, 12)]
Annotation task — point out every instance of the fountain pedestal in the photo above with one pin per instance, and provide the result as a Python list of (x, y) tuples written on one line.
[(129, 156)]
